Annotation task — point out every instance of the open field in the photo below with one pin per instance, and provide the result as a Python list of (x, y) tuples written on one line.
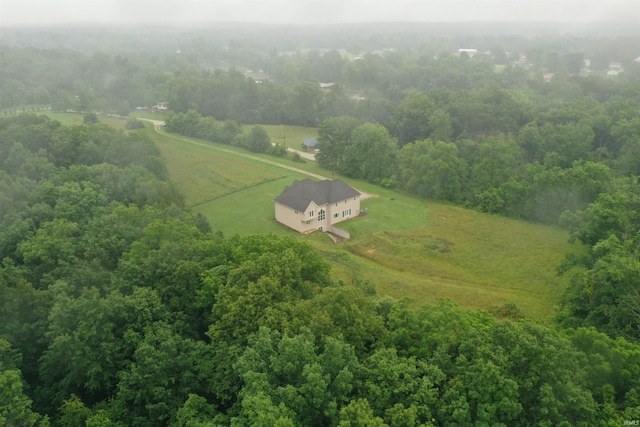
[(77, 118), (408, 247), (291, 136), (478, 260), (147, 115), (205, 176)]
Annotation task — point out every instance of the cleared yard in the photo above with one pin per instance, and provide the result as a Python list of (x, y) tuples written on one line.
[(408, 247)]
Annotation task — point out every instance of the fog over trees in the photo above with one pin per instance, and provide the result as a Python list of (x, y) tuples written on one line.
[(121, 307)]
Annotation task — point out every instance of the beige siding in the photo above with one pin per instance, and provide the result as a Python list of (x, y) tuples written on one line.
[(312, 220), (287, 216), (342, 208)]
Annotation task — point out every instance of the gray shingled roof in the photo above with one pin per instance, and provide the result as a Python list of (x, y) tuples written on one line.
[(299, 194), (310, 142)]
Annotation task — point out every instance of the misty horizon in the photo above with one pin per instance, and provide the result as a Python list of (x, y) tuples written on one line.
[(306, 12)]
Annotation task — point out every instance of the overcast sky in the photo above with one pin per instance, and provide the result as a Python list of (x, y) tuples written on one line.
[(15, 12)]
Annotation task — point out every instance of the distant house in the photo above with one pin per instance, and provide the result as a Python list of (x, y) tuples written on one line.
[(310, 144), (160, 107), (547, 77), (326, 86), (259, 77), (309, 205), (470, 52)]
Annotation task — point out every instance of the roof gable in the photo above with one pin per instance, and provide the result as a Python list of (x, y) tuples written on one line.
[(301, 193), (310, 142)]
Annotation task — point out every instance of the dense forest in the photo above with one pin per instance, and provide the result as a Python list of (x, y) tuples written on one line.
[(119, 307)]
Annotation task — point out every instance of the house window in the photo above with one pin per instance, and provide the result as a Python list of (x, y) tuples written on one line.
[(311, 214), (336, 204), (321, 215), (296, 211), (346, 212), (308, 222), (336, 215)]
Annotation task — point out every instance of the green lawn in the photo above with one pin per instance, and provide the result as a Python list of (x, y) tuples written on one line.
[(205, 176), (408, 247), (77, 119), (291, 136), (476, 259), (147, 115)]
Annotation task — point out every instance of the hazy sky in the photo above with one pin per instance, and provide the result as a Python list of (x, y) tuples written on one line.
[(314, 11)]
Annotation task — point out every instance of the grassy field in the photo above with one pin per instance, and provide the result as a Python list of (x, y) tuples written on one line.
[(478, 260), (408, 247), (291, 136), (205, 176), (76, 119)]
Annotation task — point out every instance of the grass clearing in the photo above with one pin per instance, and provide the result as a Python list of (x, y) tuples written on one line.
[(409, 247), (291, 136), (204, 175), (479, 260), (142, 114), (70, 119)]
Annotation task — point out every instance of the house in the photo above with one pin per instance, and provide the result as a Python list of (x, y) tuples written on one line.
[(259, 77), (326, 86), (310, 143), (309, 205), (470, 52), (160, 107)]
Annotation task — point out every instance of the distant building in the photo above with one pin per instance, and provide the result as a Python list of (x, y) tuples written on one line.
[(258, 77), (326, 86), (160, 107), (310, 144), (548, 77), (614, 69), (470, 52), (308, 205)]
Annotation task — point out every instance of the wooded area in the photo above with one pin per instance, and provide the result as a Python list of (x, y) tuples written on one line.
[(119, 307)]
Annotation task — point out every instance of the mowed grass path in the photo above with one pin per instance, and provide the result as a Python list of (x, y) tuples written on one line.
[(408, 247)]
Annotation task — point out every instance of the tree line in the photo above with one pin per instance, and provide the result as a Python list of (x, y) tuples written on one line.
[(115, 72)]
